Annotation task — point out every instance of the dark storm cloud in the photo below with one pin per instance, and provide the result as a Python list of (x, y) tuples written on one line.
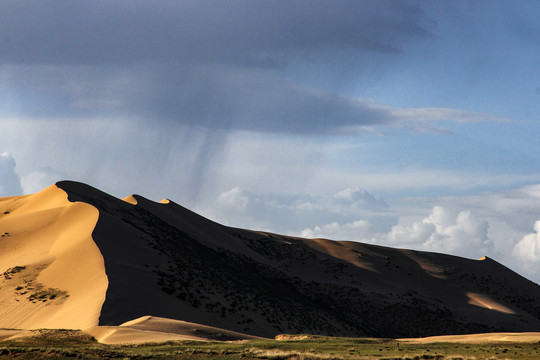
[(241, 31), (218, 97), (216, 64), (249, 100)]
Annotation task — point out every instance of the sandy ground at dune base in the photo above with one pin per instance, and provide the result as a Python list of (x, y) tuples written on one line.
[(478, 338), (117, 335), (128, 335), (157, 329)]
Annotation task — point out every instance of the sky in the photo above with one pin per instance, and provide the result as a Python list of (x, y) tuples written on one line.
[(410, 124)]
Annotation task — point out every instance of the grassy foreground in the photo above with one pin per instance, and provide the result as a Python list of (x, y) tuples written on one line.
[(67, 344)]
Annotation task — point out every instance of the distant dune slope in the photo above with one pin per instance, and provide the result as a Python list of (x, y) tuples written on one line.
[(52, 273), (167, 261), (163, 260)]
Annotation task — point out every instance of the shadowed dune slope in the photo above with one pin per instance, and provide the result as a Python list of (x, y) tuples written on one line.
[(164, 260)]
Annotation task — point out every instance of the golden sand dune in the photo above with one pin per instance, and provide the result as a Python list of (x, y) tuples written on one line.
[(127, 335), (153, 323), (130, 199), (74, 257), (155, 329), (51, 272)]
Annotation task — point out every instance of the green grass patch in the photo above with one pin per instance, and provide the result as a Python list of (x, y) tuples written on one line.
[(68, 344)]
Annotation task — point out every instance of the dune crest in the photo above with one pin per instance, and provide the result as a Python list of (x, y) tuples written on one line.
[(130, 199)]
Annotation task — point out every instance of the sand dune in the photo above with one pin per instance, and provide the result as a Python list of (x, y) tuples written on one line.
[(125, 335), (74, 257), (156, 329), (152, 323), (130, 199), (51, 272)]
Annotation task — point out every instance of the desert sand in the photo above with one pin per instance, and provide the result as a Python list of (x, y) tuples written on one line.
[(52, 273), (156, 329), (8, 334), (74, 257), (478, 338)]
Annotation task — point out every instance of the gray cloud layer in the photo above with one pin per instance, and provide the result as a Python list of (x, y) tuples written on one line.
[(214, 64), (212, 97), (241, 31)]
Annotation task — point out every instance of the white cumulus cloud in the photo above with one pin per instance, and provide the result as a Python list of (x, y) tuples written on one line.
[(9, 180), (361, 230), (463, 234), (528, 248), (38, 180), (235, 198), (357, 198), (444, 231)]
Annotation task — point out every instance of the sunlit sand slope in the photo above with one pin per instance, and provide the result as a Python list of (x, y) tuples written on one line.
[(52, 273), (153, 329), (479, 338)]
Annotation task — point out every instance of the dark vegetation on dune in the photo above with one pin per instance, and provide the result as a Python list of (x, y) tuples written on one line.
[(25, 287), (268, 284)]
